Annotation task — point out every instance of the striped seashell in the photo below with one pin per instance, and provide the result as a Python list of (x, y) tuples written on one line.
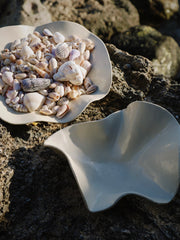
[(47, 32), (33, 61), (62, 111), (46, 111), (74, 53), (35, 84), (7, 77), (86, 65), (62, 51), (91, 89), (58, 37), (33, 101), (20, 108)]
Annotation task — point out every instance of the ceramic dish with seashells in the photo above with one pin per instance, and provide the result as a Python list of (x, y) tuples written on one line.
[(55, 70)]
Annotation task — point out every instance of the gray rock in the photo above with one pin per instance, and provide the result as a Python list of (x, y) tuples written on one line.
[(27, 12), (163, 51), (102, 17)]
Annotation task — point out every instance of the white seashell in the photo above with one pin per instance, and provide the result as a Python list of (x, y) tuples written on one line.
[(86, 55), (47, 32), (50, 103), (87, 82), (54, 95), (89, 44), (82, 47), (26, 52), (53, 85), (44, 92), (15, 100), (33, 101), (58, 37), (4, 69), (62, 101), (46, 111), (67, 89), (83, 71), (32, 75), (62, 51), (60, 90), (20, 76), (73, 94), (71, 72), (16, 85), (53, 65), (87, 65), (62, 111), (22, 44), (74, 53), (15, 43), (38, 54), (35, 40), (11, 94), (7, 77)]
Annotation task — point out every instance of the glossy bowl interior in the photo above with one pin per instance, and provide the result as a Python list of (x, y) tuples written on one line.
[(101, 73), (133, 151)]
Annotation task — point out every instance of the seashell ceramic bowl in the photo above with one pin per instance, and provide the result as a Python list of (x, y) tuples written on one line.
[(133, 151), (100, 74)]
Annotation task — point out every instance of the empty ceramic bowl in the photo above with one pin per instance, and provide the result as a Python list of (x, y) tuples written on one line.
[(100, 72), (133, 151)]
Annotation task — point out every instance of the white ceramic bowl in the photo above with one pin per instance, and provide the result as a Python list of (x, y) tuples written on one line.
[(100, 74), (133, 151)]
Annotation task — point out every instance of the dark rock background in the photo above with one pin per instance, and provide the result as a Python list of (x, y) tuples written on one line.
[(39, 197)]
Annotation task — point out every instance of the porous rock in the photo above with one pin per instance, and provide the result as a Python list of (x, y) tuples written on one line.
[(163, 51)]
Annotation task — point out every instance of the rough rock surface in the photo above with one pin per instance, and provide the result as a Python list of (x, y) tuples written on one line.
[(27, 12), (148, 42), (41, 199), (102, 17), (162, 9)]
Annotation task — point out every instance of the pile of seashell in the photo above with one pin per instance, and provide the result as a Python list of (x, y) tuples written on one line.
[(43, 72)]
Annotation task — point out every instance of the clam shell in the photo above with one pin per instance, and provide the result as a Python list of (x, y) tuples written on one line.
[(62, 51), (71, 72), (62, 111), (7, 77), (58, 37), (35, 84), (33, 101), (53, 65)]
